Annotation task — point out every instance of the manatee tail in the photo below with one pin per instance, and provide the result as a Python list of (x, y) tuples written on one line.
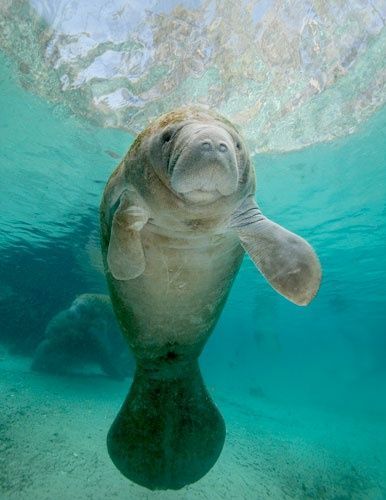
[(168, 432)]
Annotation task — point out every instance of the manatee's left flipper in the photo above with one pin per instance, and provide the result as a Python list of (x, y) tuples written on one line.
[(125, 257), (286, 260)]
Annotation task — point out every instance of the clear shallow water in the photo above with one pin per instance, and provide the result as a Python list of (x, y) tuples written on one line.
[(304, 384)]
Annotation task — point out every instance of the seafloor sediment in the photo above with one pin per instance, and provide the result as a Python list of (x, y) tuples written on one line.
[(53, 431)]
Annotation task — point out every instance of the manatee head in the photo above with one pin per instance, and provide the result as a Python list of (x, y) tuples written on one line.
[(197, 155), (89, 306)]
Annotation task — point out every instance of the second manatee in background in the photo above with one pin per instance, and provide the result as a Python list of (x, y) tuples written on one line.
[(85, 333)]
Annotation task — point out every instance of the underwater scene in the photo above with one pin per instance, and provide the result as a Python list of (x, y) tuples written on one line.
[(210, 320)]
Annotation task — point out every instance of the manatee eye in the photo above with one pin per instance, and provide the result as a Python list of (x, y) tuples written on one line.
[(166, 136), (238, 146)]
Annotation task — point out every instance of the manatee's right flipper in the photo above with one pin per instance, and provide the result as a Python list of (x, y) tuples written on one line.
[(168, 432), (125, 257)]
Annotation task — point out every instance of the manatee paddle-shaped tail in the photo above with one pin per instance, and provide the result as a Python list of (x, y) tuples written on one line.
[(168, 432), (285, 259)]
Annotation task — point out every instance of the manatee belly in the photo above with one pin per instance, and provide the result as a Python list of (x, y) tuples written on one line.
[(169, 432), (178, 299)]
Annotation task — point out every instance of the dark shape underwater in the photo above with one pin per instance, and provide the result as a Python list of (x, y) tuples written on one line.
[(84, 333)]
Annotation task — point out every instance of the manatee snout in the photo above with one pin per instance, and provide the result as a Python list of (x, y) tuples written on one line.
[(206, 163)]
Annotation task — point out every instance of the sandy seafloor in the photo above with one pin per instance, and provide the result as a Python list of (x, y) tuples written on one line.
[(53, 431)]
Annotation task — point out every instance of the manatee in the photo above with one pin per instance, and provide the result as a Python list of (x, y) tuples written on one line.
[(86, 332), (177, 216)]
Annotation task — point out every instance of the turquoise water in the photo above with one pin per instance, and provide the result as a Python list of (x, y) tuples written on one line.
[(302, 389)]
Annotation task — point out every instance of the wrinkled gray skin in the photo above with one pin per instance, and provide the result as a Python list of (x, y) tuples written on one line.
[(177, 216)]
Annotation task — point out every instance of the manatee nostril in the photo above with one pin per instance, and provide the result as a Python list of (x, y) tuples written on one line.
[(222, 147), (206, 145)]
